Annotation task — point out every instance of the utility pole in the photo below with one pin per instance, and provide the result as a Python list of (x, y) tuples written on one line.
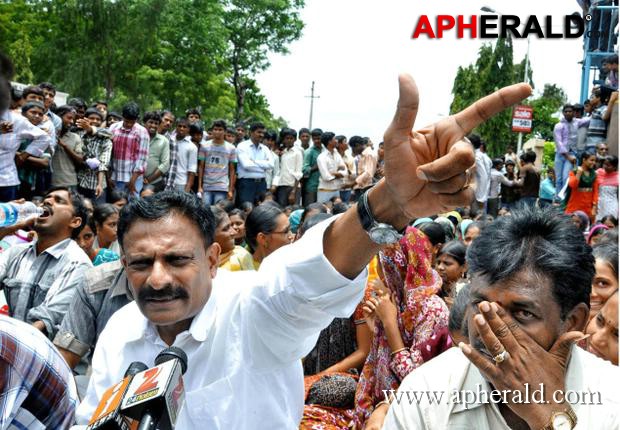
[(312, 97)]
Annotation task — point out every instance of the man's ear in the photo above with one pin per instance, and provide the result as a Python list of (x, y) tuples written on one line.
[(261, 240), (577, 318), (213, 255), (76, 222)]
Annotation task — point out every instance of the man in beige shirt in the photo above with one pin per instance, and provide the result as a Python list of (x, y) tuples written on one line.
[(528, 303), (365, 162)]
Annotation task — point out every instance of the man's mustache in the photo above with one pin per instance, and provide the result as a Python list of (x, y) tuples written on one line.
[(168, 292)]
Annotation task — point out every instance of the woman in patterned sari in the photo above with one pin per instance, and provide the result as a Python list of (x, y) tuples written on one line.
[(409, 322)]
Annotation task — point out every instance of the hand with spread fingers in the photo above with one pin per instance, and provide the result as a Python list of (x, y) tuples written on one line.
[(516, 359), (426, 171)]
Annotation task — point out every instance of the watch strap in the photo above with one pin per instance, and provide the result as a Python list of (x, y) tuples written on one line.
[(568, 412), (364, 213)]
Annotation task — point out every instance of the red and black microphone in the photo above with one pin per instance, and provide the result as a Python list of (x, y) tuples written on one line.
[(108, 416), (155, 396)]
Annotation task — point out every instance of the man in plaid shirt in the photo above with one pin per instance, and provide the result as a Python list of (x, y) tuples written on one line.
[(130, 150), (37, 390)]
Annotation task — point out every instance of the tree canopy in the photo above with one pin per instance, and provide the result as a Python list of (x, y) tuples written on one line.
[(171, 54), (493, 69)]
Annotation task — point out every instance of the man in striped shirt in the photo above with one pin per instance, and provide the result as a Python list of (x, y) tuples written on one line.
[(39, 279), (130, 150), (37, 390)]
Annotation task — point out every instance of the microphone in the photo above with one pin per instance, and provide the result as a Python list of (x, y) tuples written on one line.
[(108, 416), (155, 396)]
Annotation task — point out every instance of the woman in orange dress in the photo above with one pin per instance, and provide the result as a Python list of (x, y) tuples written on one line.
[(583, 185)]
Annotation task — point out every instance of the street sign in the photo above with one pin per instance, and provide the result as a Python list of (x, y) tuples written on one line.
[(522, 119)]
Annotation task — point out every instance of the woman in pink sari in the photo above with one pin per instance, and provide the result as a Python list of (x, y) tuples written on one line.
[(409, 322)]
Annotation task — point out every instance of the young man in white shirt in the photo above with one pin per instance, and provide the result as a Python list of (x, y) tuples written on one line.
[(531, 277), (291, 168), (245, 335), (331, 168)]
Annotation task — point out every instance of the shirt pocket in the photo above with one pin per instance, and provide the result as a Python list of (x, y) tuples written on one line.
[(12, 287), (212, 406)]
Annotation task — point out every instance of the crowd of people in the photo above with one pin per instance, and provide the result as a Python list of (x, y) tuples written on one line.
[(152, 187)]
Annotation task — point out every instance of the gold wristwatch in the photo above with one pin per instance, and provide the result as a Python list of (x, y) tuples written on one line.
[(563, 420)]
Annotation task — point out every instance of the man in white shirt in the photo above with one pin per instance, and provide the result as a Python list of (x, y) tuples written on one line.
[(483, 175), (291, 168), (245, 334), (331, 168), (253, 161), (529, 301)]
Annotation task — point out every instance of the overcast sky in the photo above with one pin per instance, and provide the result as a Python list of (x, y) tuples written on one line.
[(354, 51)]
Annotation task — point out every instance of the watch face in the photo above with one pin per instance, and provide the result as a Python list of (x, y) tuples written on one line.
[(561, 421), (384, 234)]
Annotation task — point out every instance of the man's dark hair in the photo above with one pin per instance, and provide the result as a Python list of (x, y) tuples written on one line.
[(238, 212), (304, 130), (164, 204), (256, 126), (114, 115), (612, 59), (340, 138), (287, 132), (270, 135), (475, 140), (32, 104), (262, 219), (79, 208), (578, 108), (77, 103), (312, 221), (92, 111), (131, 111), (356, 141), (151, 116), (528, 156), (327, 137), (192, 111), (541, 241), (116, 196), (100, 102), (231, 130), (568, 106), (219, 123), (497, 162), (435, 232), (339, 208), (316, 132), (48, 86), (196, 128), (613, 160), (32, 89), (182, 121), (457, 321)]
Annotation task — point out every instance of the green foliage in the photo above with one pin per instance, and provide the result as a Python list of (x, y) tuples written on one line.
[(255, 28), (549, 155), (172, 54), (493, 70), (546, 108)]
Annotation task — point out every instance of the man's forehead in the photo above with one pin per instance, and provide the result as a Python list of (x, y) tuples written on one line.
[(63, 194), (523, 285)]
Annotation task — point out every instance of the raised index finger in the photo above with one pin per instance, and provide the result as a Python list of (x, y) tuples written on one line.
[(474, 115)]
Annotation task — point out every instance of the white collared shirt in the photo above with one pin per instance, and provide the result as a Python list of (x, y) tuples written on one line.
[(329, 164), (245, 346), (291, 165), (253, 161), (453, 371)]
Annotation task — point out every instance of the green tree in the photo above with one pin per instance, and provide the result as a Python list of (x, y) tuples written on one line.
[(256, 28), (494, 68), (546, 109)]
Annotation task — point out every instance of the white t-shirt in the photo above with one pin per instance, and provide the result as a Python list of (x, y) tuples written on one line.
[(187, 161)]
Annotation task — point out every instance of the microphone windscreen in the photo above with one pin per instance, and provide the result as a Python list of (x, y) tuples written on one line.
[(170, 354), (134, 368)]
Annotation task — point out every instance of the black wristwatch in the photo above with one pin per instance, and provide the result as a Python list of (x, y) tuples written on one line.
[(380, 233)]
